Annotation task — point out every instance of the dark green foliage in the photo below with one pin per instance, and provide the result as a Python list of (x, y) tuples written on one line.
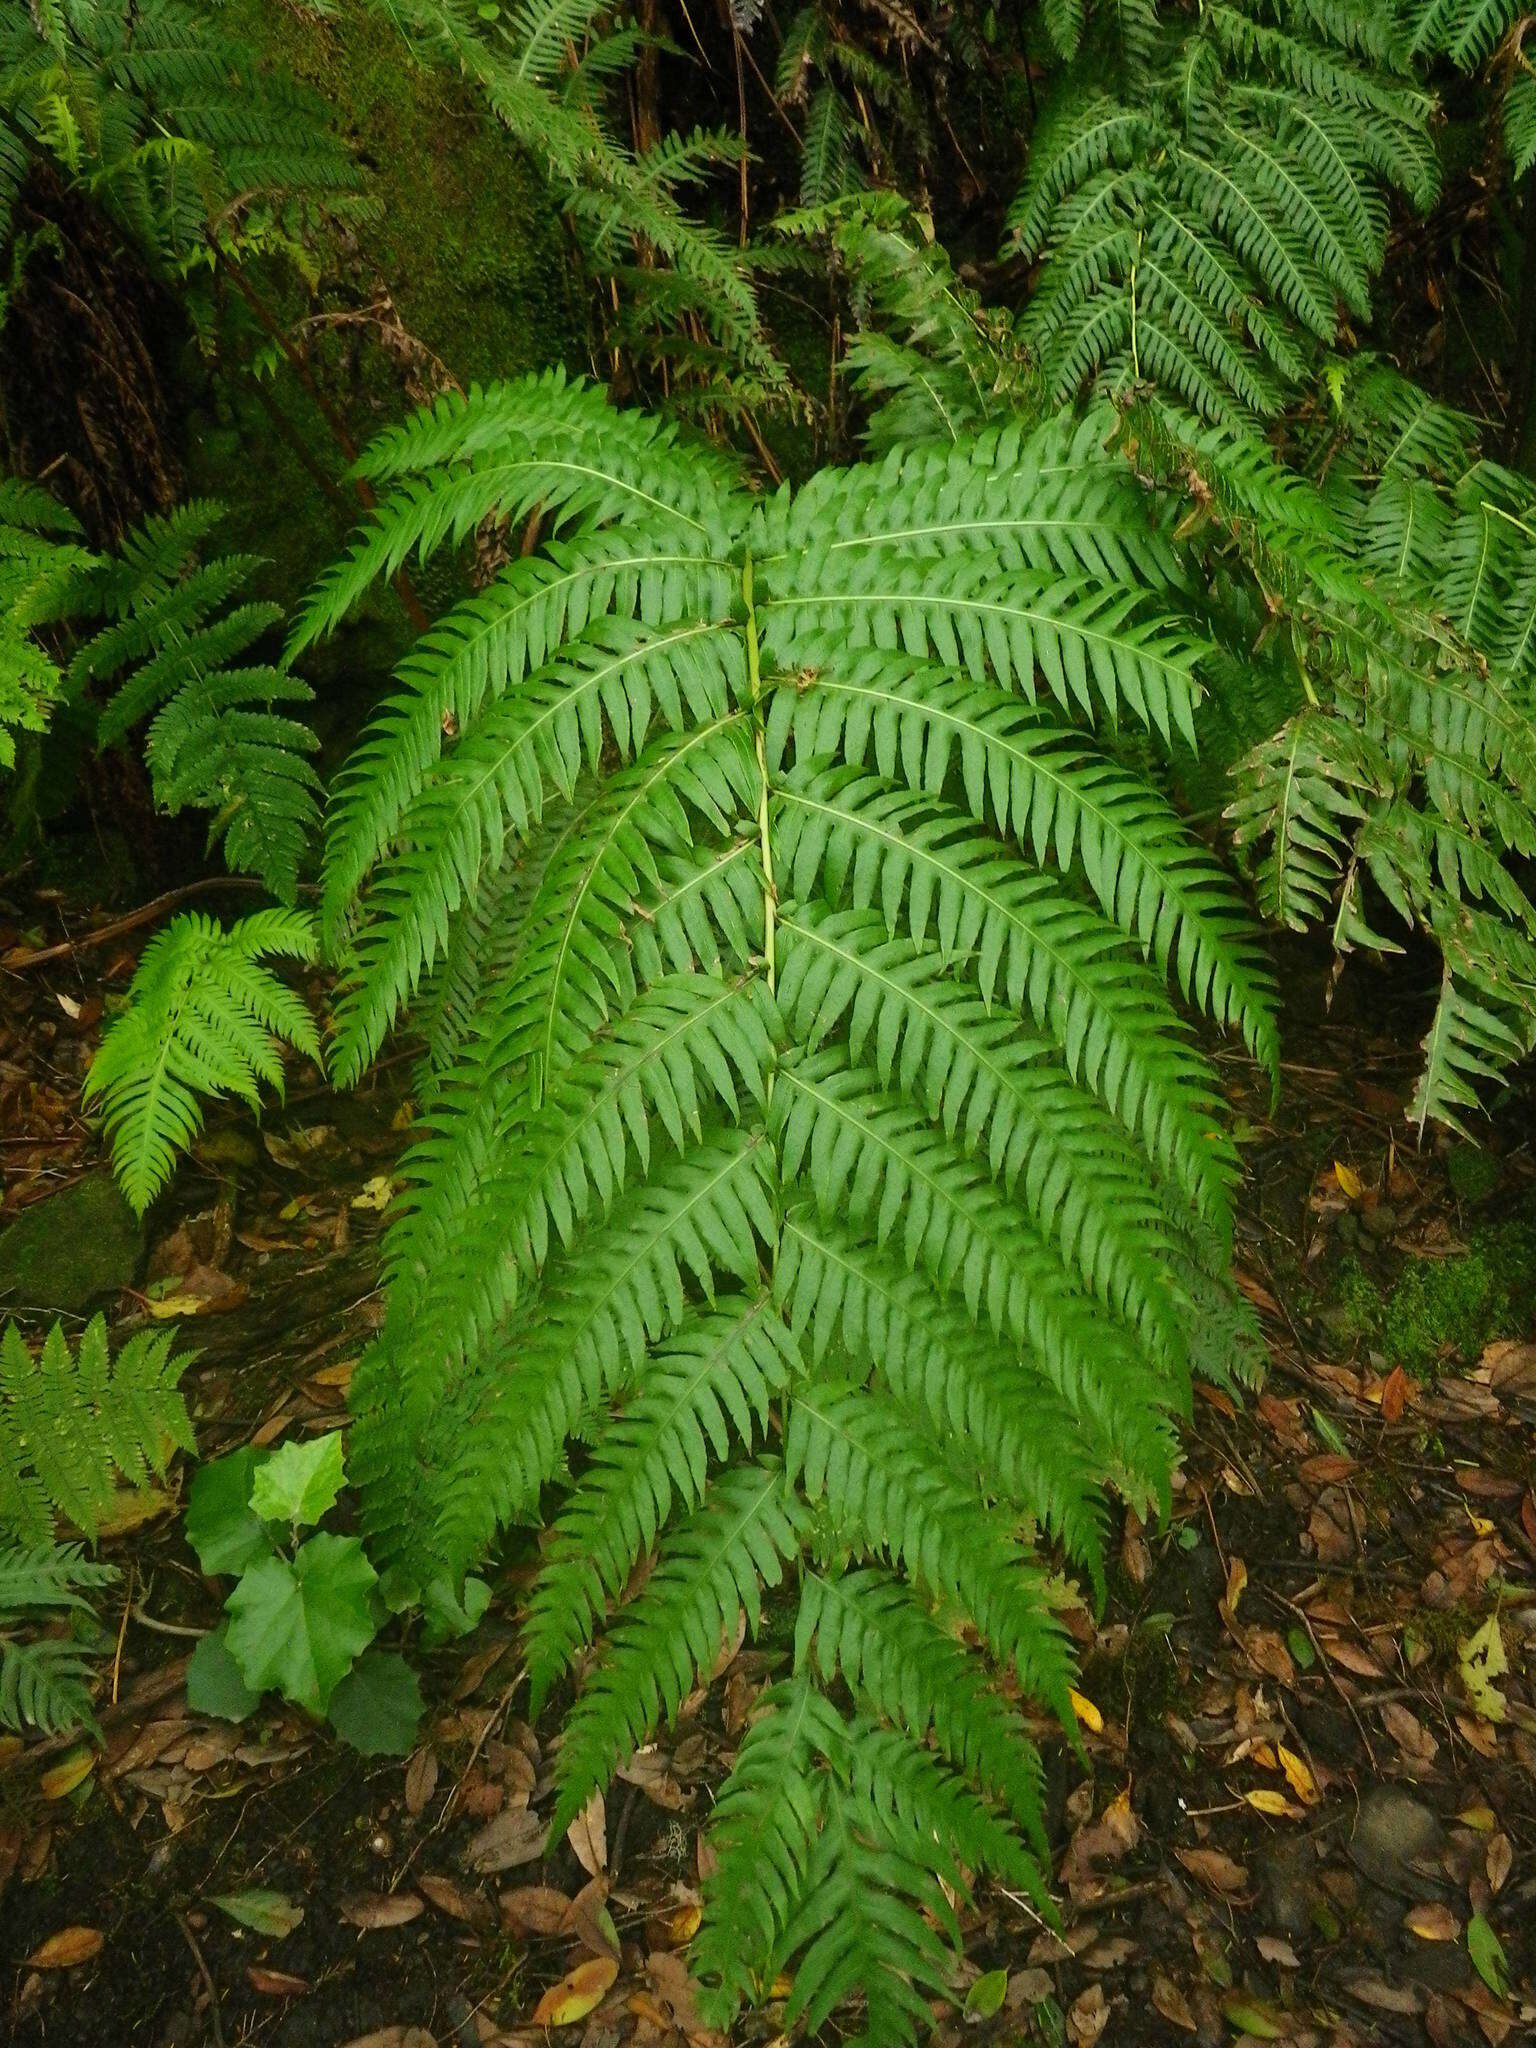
[(794, 937), (1208, 192)]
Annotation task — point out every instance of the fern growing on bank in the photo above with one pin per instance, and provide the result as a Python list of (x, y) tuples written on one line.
[(156, 110), (1207, 194), (821, 1146), (205, 1018)]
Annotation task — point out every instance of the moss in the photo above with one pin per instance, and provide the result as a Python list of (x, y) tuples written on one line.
[(467, 241), (1472, 1172), (1439, 1309)]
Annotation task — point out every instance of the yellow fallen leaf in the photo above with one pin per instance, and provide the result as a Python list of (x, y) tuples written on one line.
[(1087, 1713), (376, 1193), (1351, 1186), (131, 1507), (683, 1924), (1274, 1803), (67, 1949), (1482, 1818), (63, 1778), (1482, 1659), (1237, 1579), (1299, 1778), (578, 1993)]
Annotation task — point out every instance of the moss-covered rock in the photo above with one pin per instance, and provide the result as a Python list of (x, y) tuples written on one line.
[(70, 1252)]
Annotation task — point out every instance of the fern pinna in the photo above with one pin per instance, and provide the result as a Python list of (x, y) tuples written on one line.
[(816, 1142)]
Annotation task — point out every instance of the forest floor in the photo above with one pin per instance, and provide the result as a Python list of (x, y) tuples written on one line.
[(1310, 1703)]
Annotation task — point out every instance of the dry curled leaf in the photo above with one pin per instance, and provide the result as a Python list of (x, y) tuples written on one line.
[(535, 1909), (512, 1838), (370, 1910), (456, 1902), (277, 1983), (1432, 1922), (588, 1836), (420, 1781)]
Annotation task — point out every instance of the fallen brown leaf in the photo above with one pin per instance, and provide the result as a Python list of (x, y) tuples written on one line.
[(456, 1902), (535, 1909), (503, 1843), (277, 1983), (67, 1949), (588, 1836), (1432, 1922), (1214, 1867), (370, 1910)]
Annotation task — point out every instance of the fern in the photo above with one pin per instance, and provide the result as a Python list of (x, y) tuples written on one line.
[(45, 1680), (825, 1113), (544, 68), (204, 1018), (1206, 192), (215, 740), (46, 575), (76, 1423), (165, 118)]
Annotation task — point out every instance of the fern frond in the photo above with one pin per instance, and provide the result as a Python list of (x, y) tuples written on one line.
[(809, 1082)]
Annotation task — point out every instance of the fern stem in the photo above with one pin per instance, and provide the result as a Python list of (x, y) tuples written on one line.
[(760, 748)]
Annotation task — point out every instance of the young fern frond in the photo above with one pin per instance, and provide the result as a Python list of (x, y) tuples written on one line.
[(826, 1111), (205, 1018)]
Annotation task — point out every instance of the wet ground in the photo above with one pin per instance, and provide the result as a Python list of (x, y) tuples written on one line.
[(1311, 1810)]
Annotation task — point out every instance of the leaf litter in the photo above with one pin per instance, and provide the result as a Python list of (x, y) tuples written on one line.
[(1309, 1706)]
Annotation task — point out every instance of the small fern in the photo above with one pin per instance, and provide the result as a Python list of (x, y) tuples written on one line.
[(819, 1109), (46, 575), (45, 1680), (73, 1424), (204, 1018), (216, 739)]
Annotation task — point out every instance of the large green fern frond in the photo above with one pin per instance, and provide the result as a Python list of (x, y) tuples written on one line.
[(817, 1181)]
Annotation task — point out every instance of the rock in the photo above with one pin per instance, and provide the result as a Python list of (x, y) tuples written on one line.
[(1288, 1886), (1381, 1221), (1395, 1832), (71, 1251)]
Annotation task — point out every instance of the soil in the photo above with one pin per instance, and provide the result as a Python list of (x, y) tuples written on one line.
[(1297, 1813)]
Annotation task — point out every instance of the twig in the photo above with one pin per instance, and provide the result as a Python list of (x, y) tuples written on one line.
[(207, 1976), (122, 1630), (18, 961)]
